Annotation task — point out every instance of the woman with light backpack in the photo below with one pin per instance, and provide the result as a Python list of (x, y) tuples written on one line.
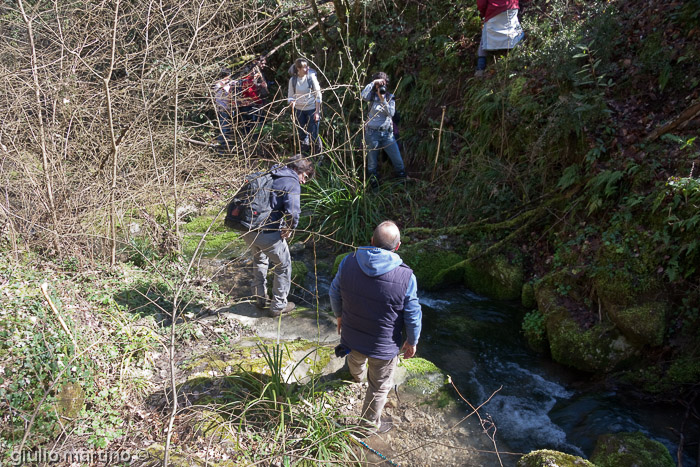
[(304, 97)]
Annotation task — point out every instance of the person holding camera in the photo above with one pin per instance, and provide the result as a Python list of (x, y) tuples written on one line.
[(373, 296), (379, 128), (304, 97), (251, 88)]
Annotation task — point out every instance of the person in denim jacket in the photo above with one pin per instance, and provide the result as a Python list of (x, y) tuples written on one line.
[(379, 128)]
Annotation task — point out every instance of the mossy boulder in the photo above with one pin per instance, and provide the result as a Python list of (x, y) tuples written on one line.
[(630, 450), (337, 261), (685, 370), (642, 324), (429, 260), (70, 400), (421, 377), (547, 458), (624, 271), (299, 271), (495, 276), (527, 296), (600, 347)]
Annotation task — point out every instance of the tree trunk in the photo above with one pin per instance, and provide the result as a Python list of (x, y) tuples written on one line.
[(45, 163)]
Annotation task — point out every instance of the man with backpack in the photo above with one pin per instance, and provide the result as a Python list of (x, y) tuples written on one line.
[(268, 242)]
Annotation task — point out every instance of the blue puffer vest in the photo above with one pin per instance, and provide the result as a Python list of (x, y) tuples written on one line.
[(373, 309)]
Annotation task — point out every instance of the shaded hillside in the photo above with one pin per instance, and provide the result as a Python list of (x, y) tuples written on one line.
[(595, 117)]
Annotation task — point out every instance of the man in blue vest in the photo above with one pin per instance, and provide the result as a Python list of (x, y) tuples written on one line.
[(373, 296)]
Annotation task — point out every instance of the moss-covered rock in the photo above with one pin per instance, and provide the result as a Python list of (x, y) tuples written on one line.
[(157, 451), (642, 324), (547, 458), (496, 276), (527, 296), (600, 347), (299, 271), (337, 261), (622, 274), (224, 244), (630, 450), (70, 400), (423, 378), (685, 370), (428, 259), (213, 424)]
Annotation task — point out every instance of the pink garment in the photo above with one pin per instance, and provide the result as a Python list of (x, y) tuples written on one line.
[(490, 8)]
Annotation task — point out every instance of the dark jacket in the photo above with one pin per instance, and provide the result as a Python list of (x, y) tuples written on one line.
[(284, 199), (490, 8), (376, 296)]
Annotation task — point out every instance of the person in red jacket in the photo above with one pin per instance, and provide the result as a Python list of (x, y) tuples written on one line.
[(501, 30)]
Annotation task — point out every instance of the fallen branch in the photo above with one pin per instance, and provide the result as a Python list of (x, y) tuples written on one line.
[(681, 121), (44, 289)]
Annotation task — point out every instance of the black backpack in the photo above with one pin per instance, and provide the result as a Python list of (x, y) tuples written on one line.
[(250, 207)]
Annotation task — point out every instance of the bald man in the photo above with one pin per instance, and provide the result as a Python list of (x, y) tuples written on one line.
[(374, 296)]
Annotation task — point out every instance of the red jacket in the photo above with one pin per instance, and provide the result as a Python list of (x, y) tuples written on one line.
[(490, 8)]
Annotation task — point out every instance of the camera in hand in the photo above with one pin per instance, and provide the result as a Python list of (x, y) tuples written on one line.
[(341, 350), (382, 90)]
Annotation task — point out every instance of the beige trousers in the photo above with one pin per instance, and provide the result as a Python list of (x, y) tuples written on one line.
[(379, 378)]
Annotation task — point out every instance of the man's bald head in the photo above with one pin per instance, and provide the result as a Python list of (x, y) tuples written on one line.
[(386, 236)]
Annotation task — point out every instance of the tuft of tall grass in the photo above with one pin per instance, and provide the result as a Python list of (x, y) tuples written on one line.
[(343, 208), (275, 418)]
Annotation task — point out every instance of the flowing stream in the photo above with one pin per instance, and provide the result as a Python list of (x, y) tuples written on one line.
[(534, 403), (540, 404)]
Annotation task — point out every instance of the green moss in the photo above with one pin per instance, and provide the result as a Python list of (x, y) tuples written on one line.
[(495, 277), (685, 370), (213, 424), (599, 348), (624, 270), (423, 378), (70, 400), (299, 271), (419, 366), (547, 458), (157, 451), (337, 261), (628, 450), (527, 296), (428, 260), (222, 244), (642, 324), (202, 223), (535, 331)]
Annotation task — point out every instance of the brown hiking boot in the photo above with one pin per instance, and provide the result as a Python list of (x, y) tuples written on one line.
[(290, 306)]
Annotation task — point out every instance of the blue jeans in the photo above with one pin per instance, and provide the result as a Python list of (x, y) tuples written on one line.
[(226, 133), (377, 140), (307, 126), (249, 117)]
